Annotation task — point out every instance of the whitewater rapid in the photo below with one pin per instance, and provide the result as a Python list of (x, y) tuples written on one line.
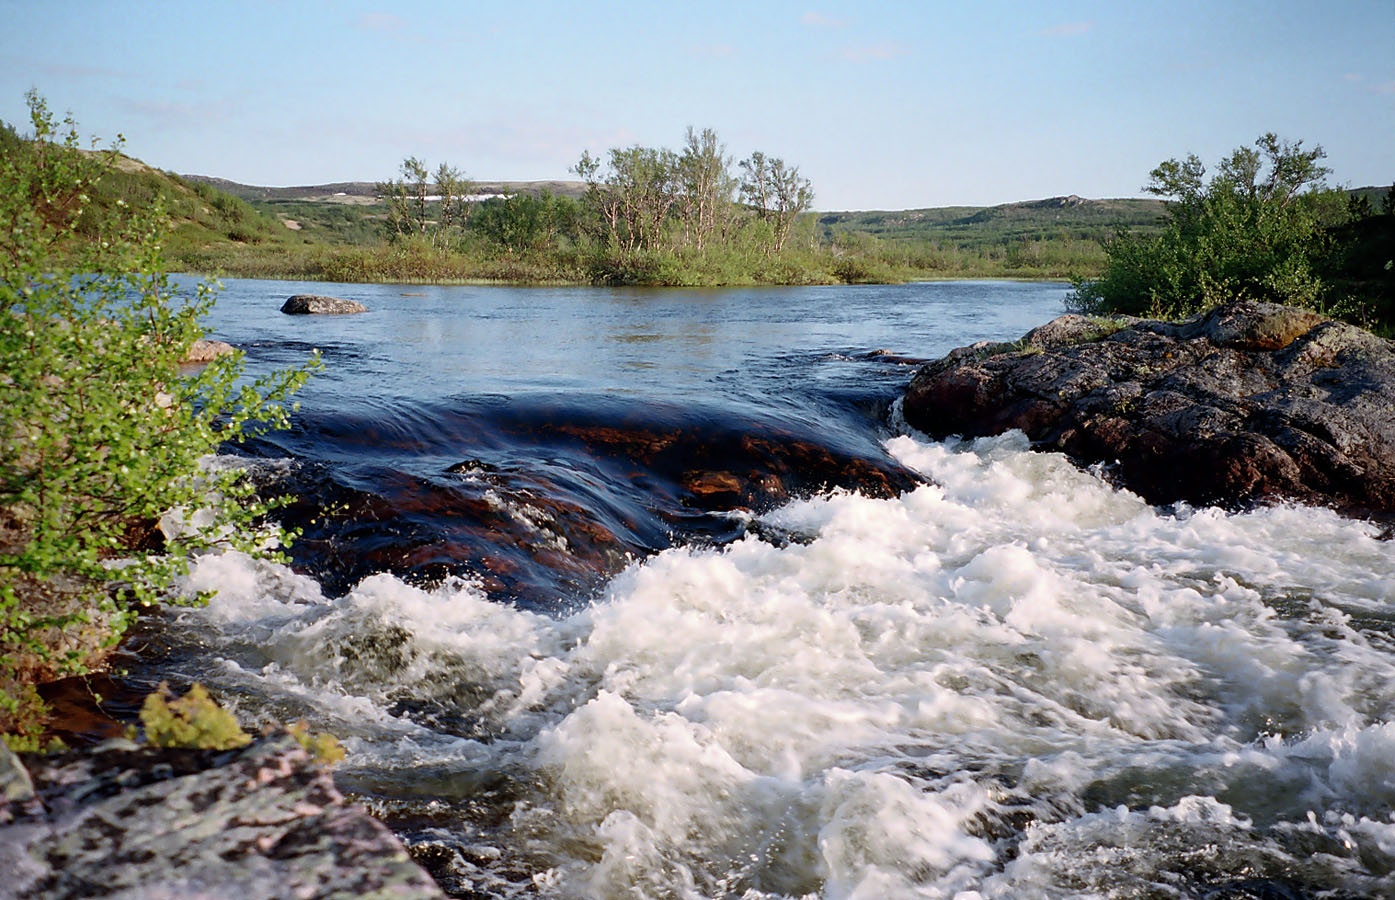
[(1013, 682)]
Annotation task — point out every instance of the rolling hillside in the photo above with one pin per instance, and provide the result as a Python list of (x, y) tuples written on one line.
[(975, 227), (349, 213), (220, 226)]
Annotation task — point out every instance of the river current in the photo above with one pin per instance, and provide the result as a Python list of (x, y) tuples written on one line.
[(649, 594)]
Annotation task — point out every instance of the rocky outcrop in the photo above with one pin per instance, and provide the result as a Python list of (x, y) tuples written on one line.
[(319, 305), (1251, 402), (156, 824)]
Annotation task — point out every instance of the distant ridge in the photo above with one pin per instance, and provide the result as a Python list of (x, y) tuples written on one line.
[(1080, 217), (362, 192)]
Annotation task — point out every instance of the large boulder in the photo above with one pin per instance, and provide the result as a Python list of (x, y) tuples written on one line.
[(1251, 402), (320, 305), (264, 821)]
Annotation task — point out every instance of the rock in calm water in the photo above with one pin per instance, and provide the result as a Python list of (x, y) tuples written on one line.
[(259, 822), (203, 351), (319, 305), (1250, 402)]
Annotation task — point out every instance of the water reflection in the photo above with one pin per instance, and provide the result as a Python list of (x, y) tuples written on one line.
[(438, 341)]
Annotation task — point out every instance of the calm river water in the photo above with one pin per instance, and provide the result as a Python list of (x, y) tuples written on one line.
[(631, 593)]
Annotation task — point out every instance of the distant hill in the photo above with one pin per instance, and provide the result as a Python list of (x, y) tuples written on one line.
[(349, 212), (200, 215), (972, 226), (217, 220), (363, 192)]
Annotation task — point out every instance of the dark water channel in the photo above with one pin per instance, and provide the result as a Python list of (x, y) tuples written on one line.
[(469, 430)]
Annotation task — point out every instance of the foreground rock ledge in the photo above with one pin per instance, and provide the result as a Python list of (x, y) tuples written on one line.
[(1252, 402), (148, 824), (320, 305)]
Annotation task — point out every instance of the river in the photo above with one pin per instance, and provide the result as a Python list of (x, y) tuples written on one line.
[(644, 593)]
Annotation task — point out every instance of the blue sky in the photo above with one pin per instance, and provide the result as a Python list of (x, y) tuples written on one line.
[(881, 105)]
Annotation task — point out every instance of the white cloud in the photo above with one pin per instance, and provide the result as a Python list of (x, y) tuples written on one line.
[(79, 70), (172, 114)]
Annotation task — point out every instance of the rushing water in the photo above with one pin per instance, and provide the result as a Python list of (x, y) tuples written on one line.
[(645, 594)]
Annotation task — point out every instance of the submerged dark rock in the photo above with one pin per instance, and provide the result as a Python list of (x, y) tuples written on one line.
[(319, 305), (1251, 402), (143, 823), (578, 497)]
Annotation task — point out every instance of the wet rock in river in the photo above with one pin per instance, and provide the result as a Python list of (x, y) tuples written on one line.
[(1250, 402), (319, 305), (204, 351)]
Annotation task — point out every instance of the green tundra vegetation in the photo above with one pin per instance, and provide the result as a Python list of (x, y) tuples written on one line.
[(105, 491), (639, 215), (1265, 226), (1053, 238), (646, 215), (693, 216)]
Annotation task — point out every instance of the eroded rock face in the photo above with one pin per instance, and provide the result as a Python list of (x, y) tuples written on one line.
[(319, 305), (148, 824), (1251, 402)]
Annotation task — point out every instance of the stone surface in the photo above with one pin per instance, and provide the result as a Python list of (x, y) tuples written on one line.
[(259, 822), (1252, 402), (318, 305), (202, 351), (15, 786)]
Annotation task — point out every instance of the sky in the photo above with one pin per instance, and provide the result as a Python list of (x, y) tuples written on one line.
[(880, 105)]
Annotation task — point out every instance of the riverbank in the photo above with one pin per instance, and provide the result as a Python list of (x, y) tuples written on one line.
[(420, 263)]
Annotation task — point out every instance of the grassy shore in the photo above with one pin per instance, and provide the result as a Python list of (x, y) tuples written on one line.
[(407, 262)]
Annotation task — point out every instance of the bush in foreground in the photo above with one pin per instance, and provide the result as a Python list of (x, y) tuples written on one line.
[(103, 433)]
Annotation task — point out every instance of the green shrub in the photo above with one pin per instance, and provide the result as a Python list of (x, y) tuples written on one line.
[(197, 721), (193, 720), (1258, 229), (322, 747), (103, 434)]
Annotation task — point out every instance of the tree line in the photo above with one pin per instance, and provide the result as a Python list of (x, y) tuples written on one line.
[(638, 199)]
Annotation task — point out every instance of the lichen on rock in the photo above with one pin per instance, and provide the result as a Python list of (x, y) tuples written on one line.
[(320, 305), (262, 821)]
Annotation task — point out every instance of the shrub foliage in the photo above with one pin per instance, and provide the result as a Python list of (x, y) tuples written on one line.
[(104, 434), (1257, 229), (194, 720)]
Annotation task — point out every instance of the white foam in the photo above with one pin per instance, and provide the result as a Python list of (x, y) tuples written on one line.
[(868, 714)]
